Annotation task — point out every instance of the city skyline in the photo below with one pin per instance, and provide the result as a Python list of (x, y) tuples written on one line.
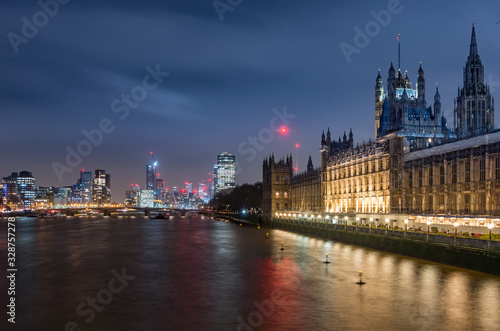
[(197, 104)]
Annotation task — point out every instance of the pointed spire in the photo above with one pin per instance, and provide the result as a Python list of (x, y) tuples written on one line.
[(310, 166), (473, 43), (391, 69), (437, 96), (328, 136), (379, 77), (420, 70)]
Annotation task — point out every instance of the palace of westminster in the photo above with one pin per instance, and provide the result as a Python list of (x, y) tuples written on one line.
[(415, 166)]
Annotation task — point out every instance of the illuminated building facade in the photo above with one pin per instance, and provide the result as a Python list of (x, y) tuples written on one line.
[(276, 185), (306, 189), (101, 188), (224, 172), (18, 191), (62, 197), (410, 169), (132, 196), (82, 190), (146, 198), (159, 190)]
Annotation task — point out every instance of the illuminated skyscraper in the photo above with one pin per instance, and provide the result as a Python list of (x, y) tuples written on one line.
[(224, 172), (150, 176), (19, 190), (101, 188), (82, 190), (189, 188), (159, 190), (132, 196)]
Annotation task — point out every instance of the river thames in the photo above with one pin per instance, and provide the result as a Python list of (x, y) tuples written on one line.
[(192, 273)]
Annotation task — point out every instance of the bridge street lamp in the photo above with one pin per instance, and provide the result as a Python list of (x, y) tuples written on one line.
[(406, 227)]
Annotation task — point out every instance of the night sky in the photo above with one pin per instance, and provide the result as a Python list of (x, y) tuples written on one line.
[(225, 78)]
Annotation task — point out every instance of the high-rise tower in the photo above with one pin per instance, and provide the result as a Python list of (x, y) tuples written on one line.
[(224, 172)]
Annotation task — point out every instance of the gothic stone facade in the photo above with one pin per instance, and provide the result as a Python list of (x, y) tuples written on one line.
[(411, 168)]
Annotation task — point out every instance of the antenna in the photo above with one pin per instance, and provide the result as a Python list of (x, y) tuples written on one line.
[(399, 51)]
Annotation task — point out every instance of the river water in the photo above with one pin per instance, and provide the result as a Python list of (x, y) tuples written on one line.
[(133, 273)]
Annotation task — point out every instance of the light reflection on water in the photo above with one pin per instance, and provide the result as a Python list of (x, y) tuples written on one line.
[(196, 274)]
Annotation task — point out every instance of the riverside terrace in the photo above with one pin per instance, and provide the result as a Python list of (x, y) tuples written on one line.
[(431, 223)]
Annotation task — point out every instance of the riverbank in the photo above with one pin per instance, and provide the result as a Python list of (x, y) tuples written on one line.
[(474, 254)]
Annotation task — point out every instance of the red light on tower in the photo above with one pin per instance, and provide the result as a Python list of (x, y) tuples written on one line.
[(297, 145), (83, 170), (296, 169)]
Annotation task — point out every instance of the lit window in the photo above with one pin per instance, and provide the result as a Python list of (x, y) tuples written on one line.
[(285, 194), (277, 194)]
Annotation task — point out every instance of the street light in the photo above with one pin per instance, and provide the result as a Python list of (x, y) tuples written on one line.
[(428, 224), (371, 224), (490, 226), (456, 227)]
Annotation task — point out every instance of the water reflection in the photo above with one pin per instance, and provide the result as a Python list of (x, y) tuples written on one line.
[(192, 273)]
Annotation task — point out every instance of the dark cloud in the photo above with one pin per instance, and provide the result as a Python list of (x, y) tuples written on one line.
[(225, 78)]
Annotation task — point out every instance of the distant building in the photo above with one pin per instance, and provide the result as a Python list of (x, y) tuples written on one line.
[(146, 198), (10, 189), (189, 188), (62, 197), (224, 172), (159, 189), (132, 196), (81, 192), (19, 190), (150, 176), (101, 188), (44, 197)]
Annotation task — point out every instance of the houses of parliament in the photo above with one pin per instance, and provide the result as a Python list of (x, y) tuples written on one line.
[(415, 166)]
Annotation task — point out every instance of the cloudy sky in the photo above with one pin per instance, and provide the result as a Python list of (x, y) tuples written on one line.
[(225, 77)]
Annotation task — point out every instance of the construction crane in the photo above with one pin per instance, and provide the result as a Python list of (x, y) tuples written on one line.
[(155, 163)]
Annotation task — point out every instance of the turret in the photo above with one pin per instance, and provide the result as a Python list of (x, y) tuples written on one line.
[(328, 141), (407, 80), (421, 87), (351, 139), (391, 83), (379, 87), (310, 164), (437, 104), (323, 142)]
